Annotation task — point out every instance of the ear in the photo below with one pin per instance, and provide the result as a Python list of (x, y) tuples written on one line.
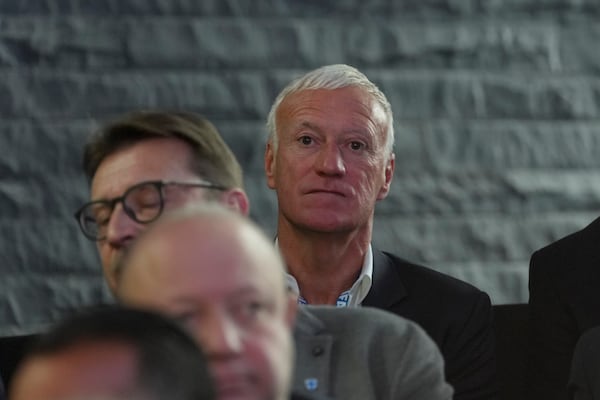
[(389, 175), (291, 308), (270, 165), (236, 199)]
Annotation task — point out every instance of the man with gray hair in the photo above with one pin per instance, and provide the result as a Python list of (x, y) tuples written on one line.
[(329, 158)]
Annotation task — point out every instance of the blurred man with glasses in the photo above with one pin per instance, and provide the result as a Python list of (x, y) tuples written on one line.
[(146, 163)]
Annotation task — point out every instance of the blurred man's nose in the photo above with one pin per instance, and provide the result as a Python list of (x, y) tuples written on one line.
[(121, 229), (220, 337)]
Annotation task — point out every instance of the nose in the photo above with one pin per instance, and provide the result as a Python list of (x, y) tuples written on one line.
[(220, 337), (330, 160), (121, 229)]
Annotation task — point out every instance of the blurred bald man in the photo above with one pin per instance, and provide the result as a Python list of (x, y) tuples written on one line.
[(215, 271)]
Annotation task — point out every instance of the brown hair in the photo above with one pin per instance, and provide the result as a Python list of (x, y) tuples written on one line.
[(212, 159)]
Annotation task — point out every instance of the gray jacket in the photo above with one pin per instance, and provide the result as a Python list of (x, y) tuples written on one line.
[(366, 354)]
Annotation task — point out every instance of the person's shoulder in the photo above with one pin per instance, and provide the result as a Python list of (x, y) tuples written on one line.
[(380, 328), (346, 317), (416, 275), (575, 251), (582, 238)]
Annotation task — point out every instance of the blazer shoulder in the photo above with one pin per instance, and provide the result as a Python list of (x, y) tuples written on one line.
[(561, 258), (371, 319), (583, 238), (371, 330), (415, 275)]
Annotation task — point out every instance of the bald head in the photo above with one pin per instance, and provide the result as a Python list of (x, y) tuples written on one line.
[(206, 240), (216, 271)]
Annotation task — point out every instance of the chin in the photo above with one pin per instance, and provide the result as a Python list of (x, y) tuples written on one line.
[(327, 226), (320, 220)]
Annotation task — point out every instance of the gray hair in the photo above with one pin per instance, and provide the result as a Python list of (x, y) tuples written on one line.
[(331, 77)]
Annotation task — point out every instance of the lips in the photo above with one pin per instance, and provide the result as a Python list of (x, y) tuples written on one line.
[(326, 191)]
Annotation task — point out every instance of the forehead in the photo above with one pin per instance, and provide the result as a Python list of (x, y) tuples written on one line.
[(150, 159), (351, 100), (201, 261)]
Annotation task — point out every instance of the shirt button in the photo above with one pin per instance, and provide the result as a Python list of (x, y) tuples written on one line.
[(317, 351)]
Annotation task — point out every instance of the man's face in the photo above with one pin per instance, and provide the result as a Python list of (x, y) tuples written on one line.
[(86, 370), (228, 290), (165, 159), (331, 165)]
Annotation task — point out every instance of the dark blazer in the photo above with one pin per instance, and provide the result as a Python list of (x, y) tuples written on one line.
[(584, 382), (456, 315), (365, 354), (564, 301)]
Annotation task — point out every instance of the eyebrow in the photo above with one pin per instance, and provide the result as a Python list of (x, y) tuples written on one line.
[(310, 125), (307, 125)]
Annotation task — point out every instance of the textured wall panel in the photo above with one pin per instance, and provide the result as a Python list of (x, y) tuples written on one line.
[(496, 106)]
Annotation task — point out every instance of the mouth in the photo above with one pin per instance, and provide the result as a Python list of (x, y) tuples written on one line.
[(326, 191)]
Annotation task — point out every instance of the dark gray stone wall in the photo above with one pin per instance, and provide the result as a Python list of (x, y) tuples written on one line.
[(497, 107)]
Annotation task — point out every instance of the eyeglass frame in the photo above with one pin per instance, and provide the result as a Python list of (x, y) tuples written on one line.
[(158, 184)]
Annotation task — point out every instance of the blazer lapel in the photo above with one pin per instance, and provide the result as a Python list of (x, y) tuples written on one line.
[(387, 288)]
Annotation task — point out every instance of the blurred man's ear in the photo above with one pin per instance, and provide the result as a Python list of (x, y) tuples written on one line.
[(236, 199)]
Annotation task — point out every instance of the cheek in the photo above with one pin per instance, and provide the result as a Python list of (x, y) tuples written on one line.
[(260, 359), (104, 252), (366, 181), (290, 164), (374, 175), (270, 349)]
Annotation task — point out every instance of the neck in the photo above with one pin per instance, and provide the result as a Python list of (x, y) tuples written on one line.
[(324, 263)]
